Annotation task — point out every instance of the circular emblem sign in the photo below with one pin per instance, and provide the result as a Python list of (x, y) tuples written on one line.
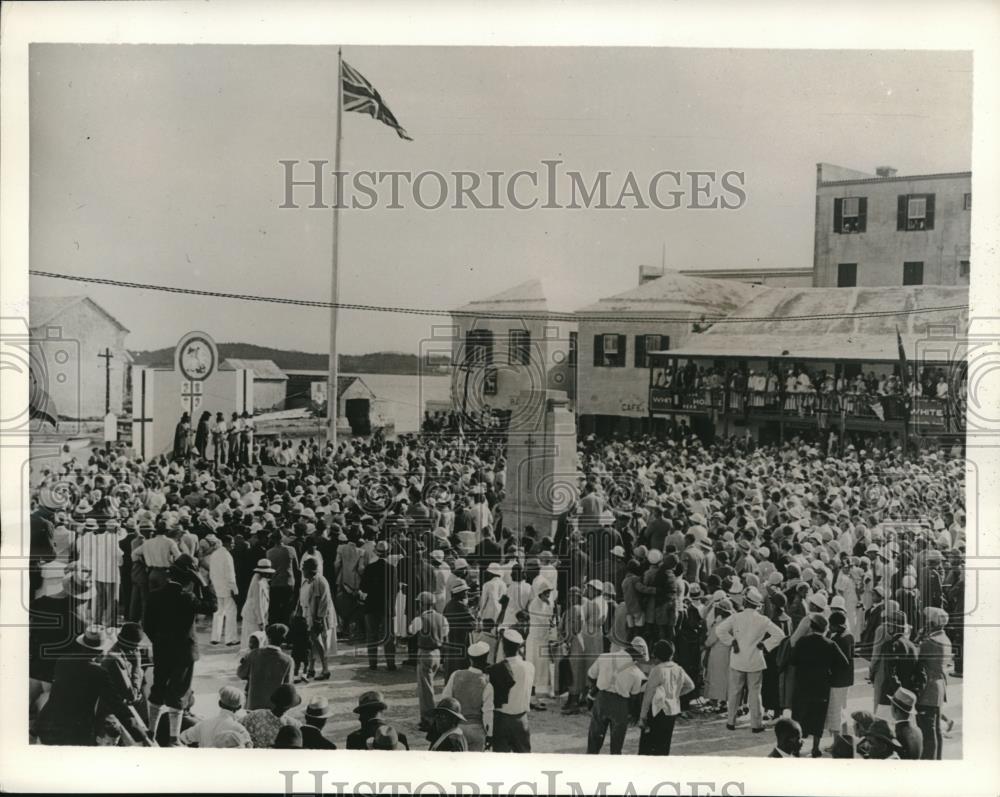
[(196, 356)]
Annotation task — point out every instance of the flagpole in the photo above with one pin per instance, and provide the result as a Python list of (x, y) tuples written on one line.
[(331, 393)]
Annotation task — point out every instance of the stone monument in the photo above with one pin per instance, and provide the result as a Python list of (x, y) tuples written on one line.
[(542, 480)]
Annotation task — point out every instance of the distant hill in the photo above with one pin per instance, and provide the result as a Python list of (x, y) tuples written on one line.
[(381, 362)]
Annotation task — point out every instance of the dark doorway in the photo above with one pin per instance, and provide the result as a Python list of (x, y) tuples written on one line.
[(358, 415)]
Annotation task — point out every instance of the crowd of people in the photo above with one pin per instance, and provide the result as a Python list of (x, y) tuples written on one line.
[(807, 390), (687, 579)]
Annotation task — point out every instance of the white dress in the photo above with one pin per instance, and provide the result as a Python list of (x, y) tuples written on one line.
[(537, 644), (255, 608)]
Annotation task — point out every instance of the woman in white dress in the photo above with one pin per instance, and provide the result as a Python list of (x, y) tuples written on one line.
[(258, 602), (540, 611)]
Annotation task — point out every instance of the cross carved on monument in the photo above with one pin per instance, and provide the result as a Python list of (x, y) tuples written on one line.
[(529, 444)]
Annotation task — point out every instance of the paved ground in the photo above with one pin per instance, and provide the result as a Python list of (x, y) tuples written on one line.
[(551, 732)]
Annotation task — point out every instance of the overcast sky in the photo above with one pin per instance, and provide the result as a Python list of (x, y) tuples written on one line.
[(159, 164)]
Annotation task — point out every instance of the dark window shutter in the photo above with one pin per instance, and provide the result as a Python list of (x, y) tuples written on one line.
[(622, 349), (664, 342), (929, 213), (901, 212), (640, 351), (862, 213), (838, 214), (598, 350)]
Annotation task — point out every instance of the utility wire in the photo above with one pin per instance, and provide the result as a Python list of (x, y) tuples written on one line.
[(554, 316)]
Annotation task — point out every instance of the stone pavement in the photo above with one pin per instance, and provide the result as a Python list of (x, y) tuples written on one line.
[(551, 732)]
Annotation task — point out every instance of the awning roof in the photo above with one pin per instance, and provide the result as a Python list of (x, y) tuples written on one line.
[(841, 323)]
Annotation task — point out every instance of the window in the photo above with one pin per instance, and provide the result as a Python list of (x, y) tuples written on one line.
[(479, 347), (519, 347), (847, 275), (647, 343), (913, 273), (572, 348), (964, 268), (915, 212), (850, 214), (609, 351), (967, 202)]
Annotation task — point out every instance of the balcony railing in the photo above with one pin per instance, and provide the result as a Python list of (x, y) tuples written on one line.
[(803, 405)]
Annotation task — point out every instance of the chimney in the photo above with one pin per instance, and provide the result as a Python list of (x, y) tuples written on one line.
[(885, 171), (649, 273)]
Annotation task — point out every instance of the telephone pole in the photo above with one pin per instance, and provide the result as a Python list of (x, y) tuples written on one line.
[(107, 356)]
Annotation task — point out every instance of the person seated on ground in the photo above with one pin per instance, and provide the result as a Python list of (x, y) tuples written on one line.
[(787, 739), (317, 713)]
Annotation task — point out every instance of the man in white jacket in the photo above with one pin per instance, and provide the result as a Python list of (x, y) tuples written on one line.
[(750, 634), (222, 574)]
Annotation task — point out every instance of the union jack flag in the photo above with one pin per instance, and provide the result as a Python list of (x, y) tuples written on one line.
[(362, 96)]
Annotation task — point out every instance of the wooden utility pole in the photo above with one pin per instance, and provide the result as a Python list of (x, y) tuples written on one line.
[(107, 356)]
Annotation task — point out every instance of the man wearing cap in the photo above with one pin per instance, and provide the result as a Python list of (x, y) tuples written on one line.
[(474, 693), (492, 593), (169, 623), (285, 562), (377, 590), (893, 663), (446, 733), (909, 736), (348, 568), (101, 555), (317, 713), (213, 732), (617, 684), (460, 625), (222, 575), (158, 552), (933, 654), (817, 660), (431, 630), (749, 634), (512, 680)]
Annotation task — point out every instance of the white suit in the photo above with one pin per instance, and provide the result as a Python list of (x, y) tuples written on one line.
[(222, 574)]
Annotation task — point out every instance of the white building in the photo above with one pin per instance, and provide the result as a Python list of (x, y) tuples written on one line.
[(616, 333), (69, 337), (523, 338)]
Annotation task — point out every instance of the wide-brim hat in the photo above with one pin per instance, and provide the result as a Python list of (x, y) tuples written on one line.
[(94, 638), (450, 705), (370, 701), (385, 738), (264, 566), (318, 709), (904, 700), (131, 636)]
